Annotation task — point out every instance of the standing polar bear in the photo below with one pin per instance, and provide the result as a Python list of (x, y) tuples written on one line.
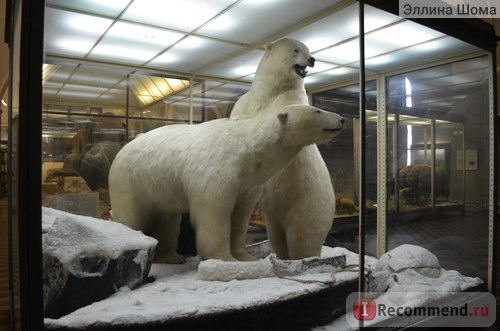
[(215, 171), (298, 203)]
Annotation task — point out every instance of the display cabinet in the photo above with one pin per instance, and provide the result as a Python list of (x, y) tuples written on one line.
[(413, 165)]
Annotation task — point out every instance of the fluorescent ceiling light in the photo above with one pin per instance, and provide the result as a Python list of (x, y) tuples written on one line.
[(134, 43), (185, 15), (71, 33), (252, 21), (141, 35), (376, 18), (75, 45), (342, 54), (319, 66), (245, 64), (86, 25), (340, 71), (123, 52), (402, 35), (108, 7), (192, 53)]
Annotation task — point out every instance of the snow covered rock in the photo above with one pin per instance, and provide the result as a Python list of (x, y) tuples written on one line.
[(402, 260), (410, 256), (87, 259)]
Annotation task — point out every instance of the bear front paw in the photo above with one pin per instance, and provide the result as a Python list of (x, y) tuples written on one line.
[(171, 258)]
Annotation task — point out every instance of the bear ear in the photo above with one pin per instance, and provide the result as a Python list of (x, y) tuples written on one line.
[(283, 117)]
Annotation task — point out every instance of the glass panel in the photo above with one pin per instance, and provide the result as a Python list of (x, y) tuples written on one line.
[(342, 159), (438, 170), (83, 130), (87, 119)]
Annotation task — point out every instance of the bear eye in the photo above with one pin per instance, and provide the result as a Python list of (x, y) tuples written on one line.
[(296, 50)]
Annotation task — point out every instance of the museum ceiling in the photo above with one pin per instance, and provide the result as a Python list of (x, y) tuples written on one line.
[(218, 39)]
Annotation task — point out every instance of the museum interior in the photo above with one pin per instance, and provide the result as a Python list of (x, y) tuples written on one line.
[(413, 164)]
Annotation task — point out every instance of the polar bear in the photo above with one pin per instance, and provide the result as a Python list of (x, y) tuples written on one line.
[(215, 171), (298, 203)]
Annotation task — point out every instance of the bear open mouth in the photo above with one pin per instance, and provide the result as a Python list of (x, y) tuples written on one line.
[(300, 70)]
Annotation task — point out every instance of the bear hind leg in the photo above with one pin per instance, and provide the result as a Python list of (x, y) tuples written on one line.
[(277, 238), (239, 225), (166, 230), (304, 244)]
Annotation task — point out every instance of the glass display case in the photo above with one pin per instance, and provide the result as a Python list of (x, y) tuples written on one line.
[(432, 172), (413, 165)]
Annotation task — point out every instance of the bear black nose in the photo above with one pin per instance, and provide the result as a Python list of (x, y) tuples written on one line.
[(342, 120), (311, 61)]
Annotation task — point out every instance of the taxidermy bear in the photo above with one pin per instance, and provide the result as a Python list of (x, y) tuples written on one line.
[(215, 171), (298, 203)]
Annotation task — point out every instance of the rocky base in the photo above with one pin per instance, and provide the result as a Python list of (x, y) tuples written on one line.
[(86, 260)]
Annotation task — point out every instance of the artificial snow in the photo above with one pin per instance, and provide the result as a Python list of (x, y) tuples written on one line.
[(66, 236), (83, 252), (408, 276), (322, 269), (177, 291)]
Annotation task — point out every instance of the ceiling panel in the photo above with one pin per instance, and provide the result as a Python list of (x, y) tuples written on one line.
[(237, 67), (212, 37), (56, 73), (226, 92), (344, 53), (133, 43), (329, 30), (185, 15), (72, 34), (338, 74), (97, 77), (100, 7), (419, 54), (251, 21), (403, 34), (320, 66), (185, 56)]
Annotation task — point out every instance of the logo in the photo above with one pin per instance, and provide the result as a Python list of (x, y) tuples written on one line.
[(364, 309), (443, 309)]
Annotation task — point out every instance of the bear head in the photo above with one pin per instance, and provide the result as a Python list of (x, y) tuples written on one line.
[(288, 56), (310, 125)]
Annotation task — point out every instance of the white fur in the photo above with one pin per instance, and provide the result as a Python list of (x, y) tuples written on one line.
[(299, 202), (214, 170)]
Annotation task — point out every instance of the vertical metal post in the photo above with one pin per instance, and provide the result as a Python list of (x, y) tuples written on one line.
[(491, 191), (395, 163), (463, 169), (381, 167), (191, 100), (127, 112), (362, 124), (433, 166)]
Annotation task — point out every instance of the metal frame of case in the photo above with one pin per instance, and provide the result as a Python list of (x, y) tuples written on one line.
[(25, 36)]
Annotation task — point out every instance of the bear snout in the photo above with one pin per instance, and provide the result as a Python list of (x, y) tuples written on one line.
[(311, 61)]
